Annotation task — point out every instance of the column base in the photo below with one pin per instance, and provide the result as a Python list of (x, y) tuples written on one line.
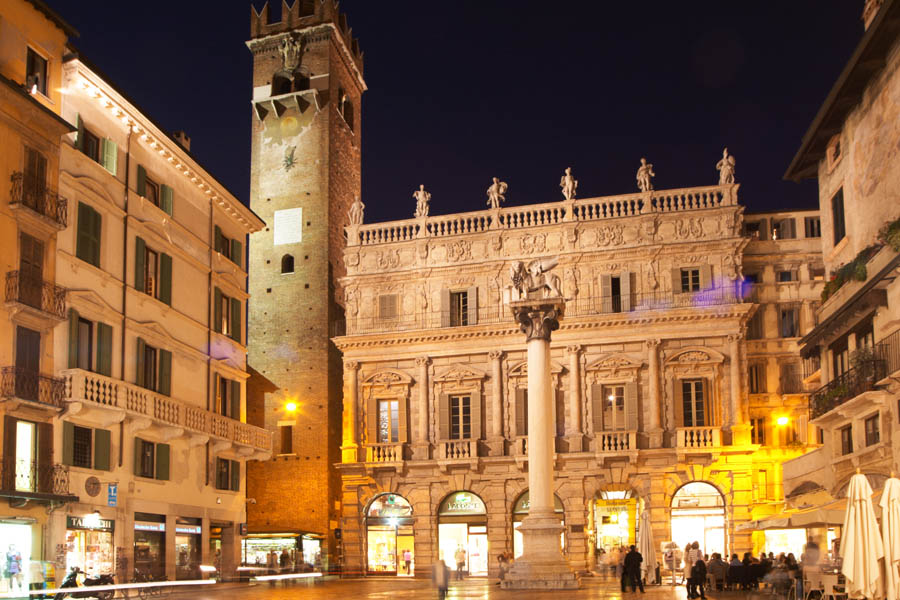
[(495, 447), (542, 565), (420, 451), (350, 453), (655, 438), (575, 442), (740, 435)]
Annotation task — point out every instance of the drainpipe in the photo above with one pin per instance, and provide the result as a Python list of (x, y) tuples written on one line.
[(209, 324), (124, 282)]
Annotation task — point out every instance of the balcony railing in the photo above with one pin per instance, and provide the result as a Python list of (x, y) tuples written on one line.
[(520, 445), (36, 293), (792, 381), (91, 388), (888, 350), (610, 442), (861, 378), (384, 453), (698, 437), (458, 449), (16, 382), (811, 364), (33, 476), (39, 198)]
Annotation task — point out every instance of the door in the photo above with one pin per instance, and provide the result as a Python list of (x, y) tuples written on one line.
[(478, 550), (35, 183), (28, 363), (31, 270), (26, 450)]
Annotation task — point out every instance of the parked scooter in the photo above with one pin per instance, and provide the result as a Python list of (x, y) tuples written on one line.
[(71, 581)]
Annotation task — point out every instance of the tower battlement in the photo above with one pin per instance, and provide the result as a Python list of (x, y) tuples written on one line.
[(303, 14)]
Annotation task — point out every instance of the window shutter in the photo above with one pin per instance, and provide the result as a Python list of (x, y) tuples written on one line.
[(676, 280), (9, 449), (83, 235), (678, 397), (476, 415), (140, 258), (165, 373), (139, 376), (162, 461), (217, 393), (803, 428), (236, 320), (472, 305), (73, 338), (605, 293), (101, 449), (165, 278), (68, 449), (96, 228), (237, 252), (444, 417), (445, 309), (79, 135), (625, 279), (138, 443), (705, 277), (521, 411), (45, 456), (166, 199), (218, 241), (597, 407), (631, 407), (236, 400), (217, 310), (110, 155), (104, 349), (372, 420), (141, 180), (235, 476)]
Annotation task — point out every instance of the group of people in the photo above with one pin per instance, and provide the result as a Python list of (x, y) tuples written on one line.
[(288, 561)]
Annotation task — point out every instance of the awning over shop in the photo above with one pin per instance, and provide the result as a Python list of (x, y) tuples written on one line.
[(826, 515)]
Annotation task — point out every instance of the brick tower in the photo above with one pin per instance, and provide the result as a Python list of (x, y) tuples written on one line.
[(305, 174)]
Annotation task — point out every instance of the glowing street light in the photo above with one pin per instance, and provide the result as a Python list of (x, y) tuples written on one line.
[(782, 421), (291, 406)]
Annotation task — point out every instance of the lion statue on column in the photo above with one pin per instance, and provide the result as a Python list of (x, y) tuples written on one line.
[(535, 277)]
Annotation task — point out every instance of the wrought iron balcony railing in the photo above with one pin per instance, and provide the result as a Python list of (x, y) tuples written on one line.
[(16, 382), (38, 197), (31, 476), (36, 293), (859, 379)]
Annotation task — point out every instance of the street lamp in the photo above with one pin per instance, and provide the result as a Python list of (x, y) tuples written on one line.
[(782, 421), (291, 406)]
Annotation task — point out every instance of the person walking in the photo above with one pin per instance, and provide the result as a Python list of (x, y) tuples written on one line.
[(440, 575), (407, 558), (460, 557), (631, 570)]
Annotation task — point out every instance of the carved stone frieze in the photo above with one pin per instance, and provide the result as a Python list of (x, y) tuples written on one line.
[(531, 243), (387, 259), (459, 250), (617, 367)]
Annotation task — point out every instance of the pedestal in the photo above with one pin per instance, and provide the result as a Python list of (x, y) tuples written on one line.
[(420, 451)]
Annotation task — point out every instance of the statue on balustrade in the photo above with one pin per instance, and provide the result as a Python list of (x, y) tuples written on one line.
[(644, 173), (356, 212), (535, 279), (422, 199), (726, 168), (495, 193), (569, 184)]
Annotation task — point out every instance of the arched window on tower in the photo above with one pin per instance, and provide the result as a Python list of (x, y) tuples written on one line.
[(345, 107), (287, 264), (281, 84)]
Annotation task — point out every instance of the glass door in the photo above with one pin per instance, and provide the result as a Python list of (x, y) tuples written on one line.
[(26, 467)]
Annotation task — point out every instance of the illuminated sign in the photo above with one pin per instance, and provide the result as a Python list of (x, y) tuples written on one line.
[(191, 529), (462, 503), (148, 526), (91, 522)]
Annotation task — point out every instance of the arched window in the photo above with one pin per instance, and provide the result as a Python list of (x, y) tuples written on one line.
[(287, 263), (698, 514), (345, 107)]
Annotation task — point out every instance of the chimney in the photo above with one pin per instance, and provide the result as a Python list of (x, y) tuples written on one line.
[(870, 10), (183, 140)]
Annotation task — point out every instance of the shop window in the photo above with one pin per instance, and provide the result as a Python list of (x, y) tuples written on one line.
[(789, 321), (227, 315), (873, 430), (389, 421), (846, 440), (757, 376), (460, 417), (693, 403), (228, 474), (35, 72), (287, 264), (151, 459), (690, 280), (812, 227), (287, 439), (837, 216), (698, 514), (152, 272), (758, 431)]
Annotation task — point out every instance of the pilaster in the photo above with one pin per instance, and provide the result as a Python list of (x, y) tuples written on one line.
[(421, 447)]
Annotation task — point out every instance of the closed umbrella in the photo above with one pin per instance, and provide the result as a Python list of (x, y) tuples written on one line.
[(890, 531), (861, 546), (647, 550)]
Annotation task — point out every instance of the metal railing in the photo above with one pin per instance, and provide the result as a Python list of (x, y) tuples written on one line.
[(861, 378), (888, 350), (17, 382), (36, 293), (33, 476), (39, 198)]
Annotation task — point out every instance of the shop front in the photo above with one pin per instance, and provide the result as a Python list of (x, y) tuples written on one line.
[(520, 511), (19, 553), (698, 515), (149, 544), (89, 544), (257, 547), (188, 535), (615, 521), (311, 547), (389, 536), (462, 531)]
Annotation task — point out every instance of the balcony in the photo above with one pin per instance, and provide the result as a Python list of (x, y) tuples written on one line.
[(616, 442), (384, 453), (37, 294), (23, 480), (698, 438), (24, 384), (861, 378), (458, 449), (46, 203), (113, 400)]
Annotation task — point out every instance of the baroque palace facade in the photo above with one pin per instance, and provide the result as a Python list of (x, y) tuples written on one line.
[(677, 382)]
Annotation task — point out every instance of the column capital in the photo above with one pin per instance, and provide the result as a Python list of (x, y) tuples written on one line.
[(537, 321), (736, 337), (653, 343), (351, 365), (574, 349), (495, 354), (422, 361)]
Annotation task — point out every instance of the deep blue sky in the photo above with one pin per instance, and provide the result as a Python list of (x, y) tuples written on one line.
[(461, 91)]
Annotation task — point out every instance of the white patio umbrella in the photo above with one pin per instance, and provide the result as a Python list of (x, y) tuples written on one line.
[(646, 546), (861, 546), (890, 531)]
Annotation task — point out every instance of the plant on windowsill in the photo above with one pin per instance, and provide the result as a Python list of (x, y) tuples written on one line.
[(855, 270), (863, 362), (889, 234)]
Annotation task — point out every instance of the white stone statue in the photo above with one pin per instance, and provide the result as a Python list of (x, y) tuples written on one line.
[(569, 184), (495, 193), (356, 212), (644, 173), (422, 199), (726, 168), (535, 278)]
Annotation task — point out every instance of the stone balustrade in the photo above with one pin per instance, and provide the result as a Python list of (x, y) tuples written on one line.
[(106, 392), (520, 447), (610, 442), (458, 449), (384, 453), (698, 437)]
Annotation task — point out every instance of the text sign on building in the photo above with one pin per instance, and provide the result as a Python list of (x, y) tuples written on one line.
[(189, 529), (112, 494), (462, 503), (95, 524), (148, 526), (288, 226)]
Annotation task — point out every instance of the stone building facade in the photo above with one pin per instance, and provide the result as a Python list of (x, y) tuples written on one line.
[(653, 410)]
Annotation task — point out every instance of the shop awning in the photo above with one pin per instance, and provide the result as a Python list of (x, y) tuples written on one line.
[(826, 515), (776, 521)]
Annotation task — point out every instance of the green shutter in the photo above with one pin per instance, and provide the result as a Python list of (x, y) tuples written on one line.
[(166, 200), (236, 400), (68, 443), (95, 230), (237, 252), (218, 242), (162, 461), (165, 373), (73, 338), (141, 180), (235, 476), (236, 320), (139, 376), (104, 349), (83, 236), (79, 136), (165, 278), (217, 310), (101, 449), (138, 442), (140, 259), (109, 155)]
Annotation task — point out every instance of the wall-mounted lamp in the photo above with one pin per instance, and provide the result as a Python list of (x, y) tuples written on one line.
[(782, 421)]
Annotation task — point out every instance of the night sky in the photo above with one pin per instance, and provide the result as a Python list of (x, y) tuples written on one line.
[(466, 90)]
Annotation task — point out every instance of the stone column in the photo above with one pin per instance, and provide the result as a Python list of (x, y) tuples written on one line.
[(542, 565), (654, 428), (421, 446), (495, 439), (350, 447), (740, 429), (574, 436)]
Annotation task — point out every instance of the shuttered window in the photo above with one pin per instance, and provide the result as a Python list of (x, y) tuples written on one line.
[(232, 249), (460, 417), (152, 272), (388, 421), (459, 308), (109, 155), (693, 403), (86, 447), (227, 316), (228, 397), (387, 306), (228, 474), (151, 459), (615, 407), (87, 239), (616, 292), (521, 411), (837, 216), (82, 353), (160, 195), (154, 368)]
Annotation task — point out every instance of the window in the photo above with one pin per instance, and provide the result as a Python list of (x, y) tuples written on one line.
[(150, 379), (837, 216), (613, 407), (690, 280), (615, 285), (755, 327), (85, 447), (152, 272), (28, 363), (90, 345), (820, 435), (387, 306), (786, 275), (789, 321), (784, 230), (151, 459), (388, 421), (81, 449), (228, 398), (87, 243), (460, 417), (758, 431), (693, 403), (151, 191), (287, 439), (345, 108), (873, 430), (791, 378), (812, 227), (228, 474), (233, 250), (91, 146), (35, 72), (158, 194), (757, 373), (522, 412), (281, 84), (85, 342), (287, 264), (34, 184), (755, 230), (103, 151), (816, 272), (847, 440), (227, 315), (459, 309), (154, 368)]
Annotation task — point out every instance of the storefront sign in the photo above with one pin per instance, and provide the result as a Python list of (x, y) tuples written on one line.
[(112, 494), (462, 503), (190, 529), (148, 526), (95, 523), (390, 505)]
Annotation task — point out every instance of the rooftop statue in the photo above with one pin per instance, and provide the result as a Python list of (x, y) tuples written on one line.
[(495, 193), (644, 173), (535, 278), (569, 184), (422, 199), (356, 212), (726, 168)]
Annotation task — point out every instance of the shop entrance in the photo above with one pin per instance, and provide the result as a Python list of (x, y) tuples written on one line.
[(462, 533), (389, 536), (698, 515), (16, 548), (150, 544), (89, 544), (520, 511), (615, 519), (188, 533)]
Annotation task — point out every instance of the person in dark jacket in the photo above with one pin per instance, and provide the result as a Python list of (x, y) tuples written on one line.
[(631, 570), (697, 580)]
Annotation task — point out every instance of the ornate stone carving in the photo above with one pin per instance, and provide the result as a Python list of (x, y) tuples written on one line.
[(291, 50), (496, 243), (537, 322), (351, 365), (388, 259), (459, 250), (355, 214), (423, 250), (572, 277), (569, 184), (534, 281), (610, 236), (352, 259), (574, 349), (495, 193), (533, 243), (613, 367), (495, 354), (725, 166), (644, 173), (695, 356), (422, 361), (422, 199), (652, 343)]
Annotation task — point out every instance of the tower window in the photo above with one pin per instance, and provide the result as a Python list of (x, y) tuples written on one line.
[(345, 107), (287, 264)]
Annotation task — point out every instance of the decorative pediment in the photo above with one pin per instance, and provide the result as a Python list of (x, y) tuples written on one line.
[(387, 381), (614, 366), (460, 373), (695, 355), (520, 369), (93, 187)]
